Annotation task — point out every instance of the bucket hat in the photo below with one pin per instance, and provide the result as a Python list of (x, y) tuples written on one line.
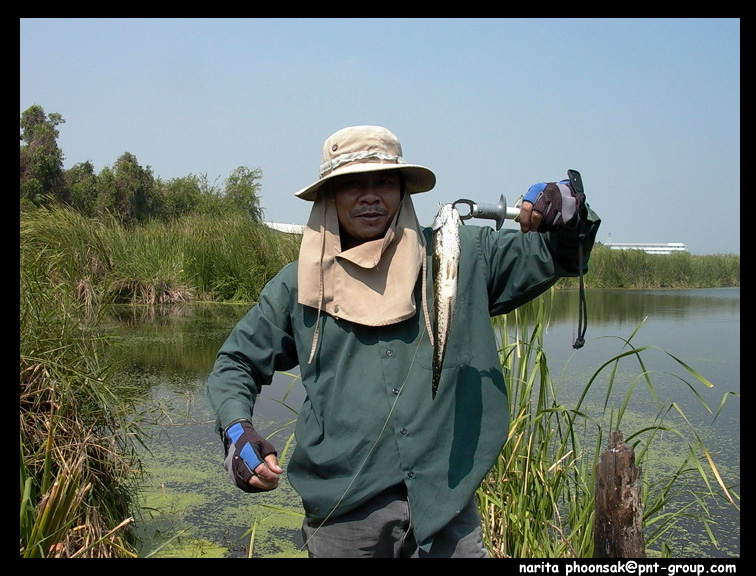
[(358, 149)]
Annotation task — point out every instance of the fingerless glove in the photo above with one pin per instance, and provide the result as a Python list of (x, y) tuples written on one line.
[(558, 202), (245, 451)]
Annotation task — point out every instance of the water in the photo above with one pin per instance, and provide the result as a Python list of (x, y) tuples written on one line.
[(189, 498)]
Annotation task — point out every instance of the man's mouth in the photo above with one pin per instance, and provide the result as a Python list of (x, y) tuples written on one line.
[(371, 215)]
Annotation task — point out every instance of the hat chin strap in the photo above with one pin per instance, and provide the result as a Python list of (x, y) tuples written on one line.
[(336, 163), (316, 334)]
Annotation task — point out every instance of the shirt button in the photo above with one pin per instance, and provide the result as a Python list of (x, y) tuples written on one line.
[(389, 353), (395, 391), (403, 431), (410, 474)]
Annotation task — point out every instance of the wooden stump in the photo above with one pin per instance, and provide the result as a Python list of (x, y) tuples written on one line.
[(618, 530)]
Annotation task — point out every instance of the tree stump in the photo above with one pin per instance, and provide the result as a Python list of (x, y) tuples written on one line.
[(618, 529)]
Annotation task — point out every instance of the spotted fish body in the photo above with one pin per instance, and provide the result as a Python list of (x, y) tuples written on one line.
[(446, 249)]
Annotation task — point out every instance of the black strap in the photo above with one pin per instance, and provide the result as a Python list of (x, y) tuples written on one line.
[(582, 309)]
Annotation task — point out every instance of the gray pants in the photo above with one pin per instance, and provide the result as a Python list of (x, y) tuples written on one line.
[(382, 528)]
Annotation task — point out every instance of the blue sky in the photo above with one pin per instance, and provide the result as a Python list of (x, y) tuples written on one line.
[(648, 110)]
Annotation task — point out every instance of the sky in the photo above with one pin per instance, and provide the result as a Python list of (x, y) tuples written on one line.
[(647, 110)]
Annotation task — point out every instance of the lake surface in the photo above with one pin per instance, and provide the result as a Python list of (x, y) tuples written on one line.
[(190, 508)]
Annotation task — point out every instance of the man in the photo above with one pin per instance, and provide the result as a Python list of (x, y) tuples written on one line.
[(384, 469)]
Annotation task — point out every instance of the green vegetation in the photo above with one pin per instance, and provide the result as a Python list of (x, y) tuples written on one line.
[(87, 241), (229, 258), (122, 236), (538, 500), (79, 465), (78, 469), (126, 191), (637, 270), (221, 258), (73, 267)]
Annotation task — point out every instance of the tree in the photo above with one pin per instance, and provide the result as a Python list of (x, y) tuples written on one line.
[(181, 196), (81, 182), (127, 191), (242, 187), (41, 159)]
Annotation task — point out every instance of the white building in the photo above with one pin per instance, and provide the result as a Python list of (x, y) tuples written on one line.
[(649, 248), (289, 228)]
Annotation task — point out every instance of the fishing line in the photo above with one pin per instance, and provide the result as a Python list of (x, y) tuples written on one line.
[(367, 456), (431, 338)]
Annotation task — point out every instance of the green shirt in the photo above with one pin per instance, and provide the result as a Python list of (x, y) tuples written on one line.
[(368, 421)]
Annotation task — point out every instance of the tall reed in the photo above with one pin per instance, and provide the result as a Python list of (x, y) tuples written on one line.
[(78, 470), (77, 431), (637, 270), (538, 500), (230, 258), (220, 258)]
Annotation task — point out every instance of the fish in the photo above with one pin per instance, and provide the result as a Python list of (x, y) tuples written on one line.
[(445, 250)]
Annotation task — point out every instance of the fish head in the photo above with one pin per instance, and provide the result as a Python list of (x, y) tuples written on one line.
[(447, 215)]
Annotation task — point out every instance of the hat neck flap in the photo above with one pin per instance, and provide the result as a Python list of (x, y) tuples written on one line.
[(370, 284)]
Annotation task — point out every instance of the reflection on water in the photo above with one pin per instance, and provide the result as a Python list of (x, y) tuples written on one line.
[(181, 339), (628, 307), (176, 347), (700, 327)]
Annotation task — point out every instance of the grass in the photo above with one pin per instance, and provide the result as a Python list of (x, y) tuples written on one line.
[(77, 466), (79, 432), (634, 269), (538, 500)]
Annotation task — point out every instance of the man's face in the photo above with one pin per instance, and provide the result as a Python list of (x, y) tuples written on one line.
[(366, 204)]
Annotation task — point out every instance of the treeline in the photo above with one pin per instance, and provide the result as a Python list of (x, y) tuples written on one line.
[(171, 219), (126, 191)]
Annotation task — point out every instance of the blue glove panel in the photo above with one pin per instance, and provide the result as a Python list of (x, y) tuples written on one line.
[(245, 451), (534, 191), (558, 204), (250, 456)]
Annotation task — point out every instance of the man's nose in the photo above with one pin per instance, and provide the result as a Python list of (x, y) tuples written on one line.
[(368, 192)]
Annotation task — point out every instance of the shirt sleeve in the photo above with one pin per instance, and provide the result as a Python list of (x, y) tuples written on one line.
[(563, 245), (260, 344), (521, 266)]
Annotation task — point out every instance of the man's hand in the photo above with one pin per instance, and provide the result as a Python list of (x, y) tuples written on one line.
[(251, 461), (550, 206)]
